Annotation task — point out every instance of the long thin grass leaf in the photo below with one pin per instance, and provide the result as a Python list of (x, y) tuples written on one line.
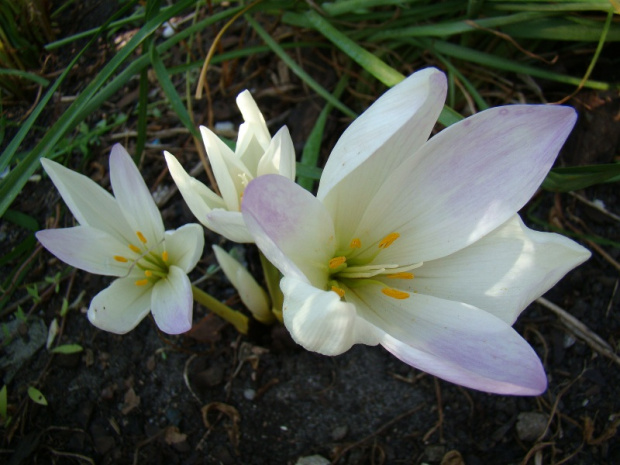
[(580, 177), (278, 50), (25, 75)]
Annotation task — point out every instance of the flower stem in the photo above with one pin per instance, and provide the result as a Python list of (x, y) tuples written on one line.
[(237, 319), (272, 278)]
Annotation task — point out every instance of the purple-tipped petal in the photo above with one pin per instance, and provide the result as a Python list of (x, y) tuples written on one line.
[(290, 226), (172, 302), (454, 341), (466, 181), (87, 248)]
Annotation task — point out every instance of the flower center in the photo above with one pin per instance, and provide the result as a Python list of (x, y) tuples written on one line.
[(154, 266), (349, 269)]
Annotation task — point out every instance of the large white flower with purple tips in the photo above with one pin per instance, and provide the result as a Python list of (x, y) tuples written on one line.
[(256, 154), (416, 244), (124, 236)]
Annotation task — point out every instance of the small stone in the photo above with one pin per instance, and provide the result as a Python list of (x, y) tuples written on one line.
[(531, 425), (249, 394), (312, 460), (435, 452)]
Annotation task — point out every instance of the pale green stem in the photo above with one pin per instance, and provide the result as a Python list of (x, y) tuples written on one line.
[(272, 278), (237, 319)]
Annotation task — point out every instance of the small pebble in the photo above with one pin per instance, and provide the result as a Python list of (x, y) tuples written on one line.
[(312, 460), (531, 425)]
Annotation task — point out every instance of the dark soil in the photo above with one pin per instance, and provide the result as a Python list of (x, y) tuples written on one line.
[(215, 397)]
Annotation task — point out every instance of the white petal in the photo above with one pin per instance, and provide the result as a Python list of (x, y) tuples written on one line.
[(172, 302), (466, 181), (88, 249), (185, 246), (503, 272), (230, 173), (120, 307), (290, 226), (91, 204), (230, 225), (134, 197), (279, 158), (319, 321), (252, 115), (454, 341), (376, 143), (252, 295)]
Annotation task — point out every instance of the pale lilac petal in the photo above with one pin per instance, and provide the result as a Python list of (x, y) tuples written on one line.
[(88, 249), (121, 306), (376, 143), (91, 204), (290, 226), (134, 197), (319, 321), (279, 158), (230, 173), (466, 181), (454, 341), (251, 293), (503, 272), (172, 302), (229, 224), (198, 197), (185, 246)]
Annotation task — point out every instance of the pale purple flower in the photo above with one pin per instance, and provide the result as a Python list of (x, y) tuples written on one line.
[(416, 244), (124, 236)]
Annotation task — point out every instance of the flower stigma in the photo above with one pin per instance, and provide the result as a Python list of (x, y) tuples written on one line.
[(355, 267)]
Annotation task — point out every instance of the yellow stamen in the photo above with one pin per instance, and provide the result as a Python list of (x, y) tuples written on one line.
[(120, 258), (336, 262), (395, 293), (134, 248), (148, 273), (388, 240), (141, 237), (141, 282), (401, 275), (164, 255), (355, 243), (338, 291)]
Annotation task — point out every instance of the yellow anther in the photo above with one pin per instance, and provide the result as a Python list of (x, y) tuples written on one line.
[(148, 273), (141, 237), (401, 275), (134, 248), (355, 243), (120, 258), (164, 255), (141, 282), (336, 262), (388, 240), (338, 291), (395, 293)]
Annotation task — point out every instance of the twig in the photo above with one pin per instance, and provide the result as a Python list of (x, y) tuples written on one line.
[(594, 205), (582, 331)]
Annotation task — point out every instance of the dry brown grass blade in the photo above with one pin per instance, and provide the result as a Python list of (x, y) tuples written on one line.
[(581, 331)]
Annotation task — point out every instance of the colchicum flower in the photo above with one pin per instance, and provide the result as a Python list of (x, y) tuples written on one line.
[(256, 154), (416, 245), (125, 237)]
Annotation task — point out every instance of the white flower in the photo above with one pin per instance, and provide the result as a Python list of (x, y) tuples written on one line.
[(256, 154), (416, 244), (250, 292), (125, 237)]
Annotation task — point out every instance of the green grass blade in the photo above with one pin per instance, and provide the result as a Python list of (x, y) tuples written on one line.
[(580, 177), (278, 50), (312, 149)]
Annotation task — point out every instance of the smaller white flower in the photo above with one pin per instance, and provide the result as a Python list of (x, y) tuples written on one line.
[(250, 292), (256, 154), (125, 237)]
